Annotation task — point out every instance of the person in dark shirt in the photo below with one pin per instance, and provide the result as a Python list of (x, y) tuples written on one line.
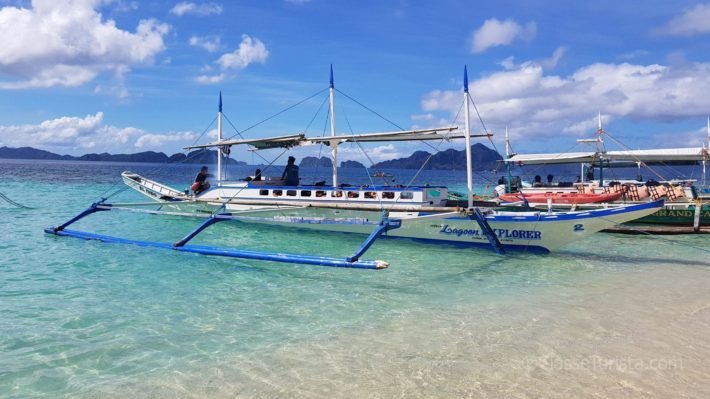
[(201, 184), (257, 175), (290, 174)]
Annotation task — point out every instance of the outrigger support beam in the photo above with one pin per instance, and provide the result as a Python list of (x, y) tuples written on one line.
[(207, 223), (487, 231), (385, 225), (88, 211)]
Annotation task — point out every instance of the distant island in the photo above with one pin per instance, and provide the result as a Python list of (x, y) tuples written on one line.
[(351, 164), (202, 156), (325, 162), (483, 158)]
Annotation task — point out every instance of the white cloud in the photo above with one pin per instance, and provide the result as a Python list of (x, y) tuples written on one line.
[(547, 106), (249, 51), (634, 54), (554, 59), (125, 6), (68, 44), (153, 141), (693, 22), (499, 33), (210, 44), (77, 135), (546, 63), (376, 154), (209, 80), (204, 9), (588, 125)]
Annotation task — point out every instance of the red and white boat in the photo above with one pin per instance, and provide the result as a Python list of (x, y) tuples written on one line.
[(570, 198)]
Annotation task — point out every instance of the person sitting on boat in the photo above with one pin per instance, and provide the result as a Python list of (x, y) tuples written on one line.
[(290, 174), (549, 180), (538, 181), (201, 184), (500, 188), (257, 175)]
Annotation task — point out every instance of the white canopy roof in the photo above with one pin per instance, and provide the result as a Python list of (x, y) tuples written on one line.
[(261, 143), (444, 133), (694, 154)]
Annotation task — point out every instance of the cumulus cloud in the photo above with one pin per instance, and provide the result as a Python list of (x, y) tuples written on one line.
[(202, 10), (210, 44), (546, 105), (77, 135), (68, 44), (494, 33), (250, 50), (692, 22)]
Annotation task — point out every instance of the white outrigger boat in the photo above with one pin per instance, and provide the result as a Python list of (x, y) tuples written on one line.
[(415, 212)]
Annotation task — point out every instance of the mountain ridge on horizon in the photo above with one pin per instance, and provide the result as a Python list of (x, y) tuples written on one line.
[(484, 158)]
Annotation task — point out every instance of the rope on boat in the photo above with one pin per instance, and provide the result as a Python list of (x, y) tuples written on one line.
[(277, 114), (13, 203), (102, 196)]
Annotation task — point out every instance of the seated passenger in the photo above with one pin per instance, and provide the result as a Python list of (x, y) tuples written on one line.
[(290, 174), (201, 184)]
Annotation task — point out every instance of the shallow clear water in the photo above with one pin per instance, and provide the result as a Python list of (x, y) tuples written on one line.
[(616, 316)]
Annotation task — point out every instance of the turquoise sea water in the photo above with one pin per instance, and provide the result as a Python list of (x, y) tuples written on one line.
[(616, 316)]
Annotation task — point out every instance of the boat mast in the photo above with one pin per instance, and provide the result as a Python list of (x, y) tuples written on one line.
[(333, 144), (600, 149), (469, 172), (508, 153), (705, 152), (219, 139)]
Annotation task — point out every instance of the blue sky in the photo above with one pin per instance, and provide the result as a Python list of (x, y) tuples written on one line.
[(122, 76)]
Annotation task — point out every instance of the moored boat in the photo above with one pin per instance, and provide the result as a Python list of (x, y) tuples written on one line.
[(415, 212)]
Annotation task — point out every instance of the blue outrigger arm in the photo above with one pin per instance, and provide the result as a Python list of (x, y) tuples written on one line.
[(351, 262), (487, 231), (88, 211), (385, 225)]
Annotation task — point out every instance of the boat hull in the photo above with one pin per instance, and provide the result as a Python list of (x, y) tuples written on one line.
[(528, 231), (676, 215)]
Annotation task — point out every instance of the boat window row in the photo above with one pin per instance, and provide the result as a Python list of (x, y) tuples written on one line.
[(385, 195)]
